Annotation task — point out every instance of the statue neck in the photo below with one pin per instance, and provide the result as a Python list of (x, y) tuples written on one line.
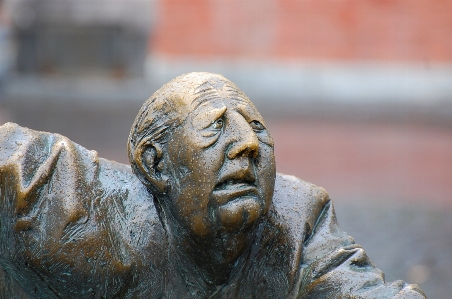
[(214, 257)]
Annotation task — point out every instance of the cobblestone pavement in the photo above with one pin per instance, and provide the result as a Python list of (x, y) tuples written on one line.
[(390, 182)]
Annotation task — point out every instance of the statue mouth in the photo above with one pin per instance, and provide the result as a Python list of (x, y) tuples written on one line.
[(232, 189)]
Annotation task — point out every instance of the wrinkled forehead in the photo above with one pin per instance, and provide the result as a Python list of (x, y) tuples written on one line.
[(217, 88), (196, 90)]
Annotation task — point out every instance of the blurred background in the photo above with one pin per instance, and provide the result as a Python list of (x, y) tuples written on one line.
[(356, 93)]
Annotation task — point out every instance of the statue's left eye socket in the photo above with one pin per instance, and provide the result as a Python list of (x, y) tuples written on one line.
[(257, 126), (217, 124)]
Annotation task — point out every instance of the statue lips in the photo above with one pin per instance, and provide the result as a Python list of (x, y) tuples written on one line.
[(238, 203), (231, 189)]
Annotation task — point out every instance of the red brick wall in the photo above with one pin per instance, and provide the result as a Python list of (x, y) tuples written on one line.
[(344, 30)]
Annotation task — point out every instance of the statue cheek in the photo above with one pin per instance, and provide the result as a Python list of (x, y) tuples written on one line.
[(265, 138)]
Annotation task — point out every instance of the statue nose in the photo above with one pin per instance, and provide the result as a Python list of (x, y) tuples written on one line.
[(245, 142)]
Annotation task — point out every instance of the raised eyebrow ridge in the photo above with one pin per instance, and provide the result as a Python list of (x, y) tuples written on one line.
[(249, 119), (218, 115)]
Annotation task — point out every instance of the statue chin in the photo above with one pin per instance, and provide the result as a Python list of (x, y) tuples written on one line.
[(240, 213)]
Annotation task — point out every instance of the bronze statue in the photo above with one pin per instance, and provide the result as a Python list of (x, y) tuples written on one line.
[(201, 213)]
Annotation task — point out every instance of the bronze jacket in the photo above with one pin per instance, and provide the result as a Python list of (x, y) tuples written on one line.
[(73, 225)]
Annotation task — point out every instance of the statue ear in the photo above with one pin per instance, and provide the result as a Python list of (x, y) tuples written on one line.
[(149, 160)]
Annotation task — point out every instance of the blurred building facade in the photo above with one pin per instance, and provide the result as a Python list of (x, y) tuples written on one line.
[(345, 30), (328, 50), (333, 51), (77, 36)]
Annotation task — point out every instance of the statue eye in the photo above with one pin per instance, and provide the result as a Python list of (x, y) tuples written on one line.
[(257, 126), (217, 124)]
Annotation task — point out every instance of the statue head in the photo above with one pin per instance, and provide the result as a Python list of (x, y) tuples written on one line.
[(203, 150)]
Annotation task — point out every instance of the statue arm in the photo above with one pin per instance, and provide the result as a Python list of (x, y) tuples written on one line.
[(33, 163), (55, 228), (335, 267)]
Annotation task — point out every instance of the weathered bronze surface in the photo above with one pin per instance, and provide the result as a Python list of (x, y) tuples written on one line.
[(201, 213)]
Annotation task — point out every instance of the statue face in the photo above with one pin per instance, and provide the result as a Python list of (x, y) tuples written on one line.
[(222, 168)]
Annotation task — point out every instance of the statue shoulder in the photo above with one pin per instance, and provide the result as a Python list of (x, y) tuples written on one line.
[(138, 222), (298, 203), (8, 128)]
